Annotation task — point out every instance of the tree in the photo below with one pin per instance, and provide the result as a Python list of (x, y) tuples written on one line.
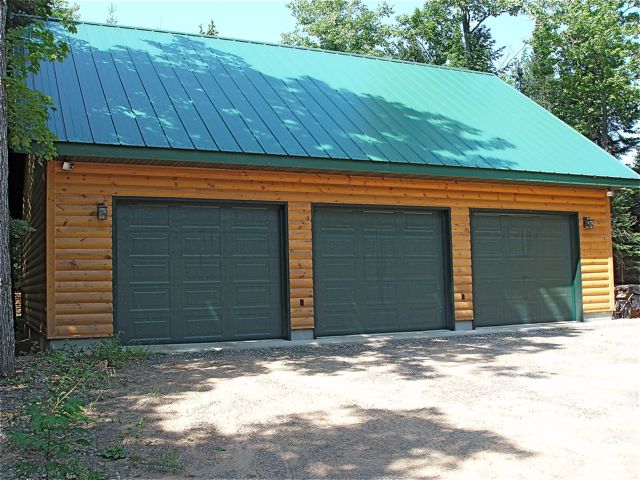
[(625, 209), (584, 66), (112, 14), (25, 41), (340, 25), (452, 32), (211, 29)]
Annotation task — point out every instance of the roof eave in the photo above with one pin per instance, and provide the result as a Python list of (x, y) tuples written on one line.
[(346, 165)]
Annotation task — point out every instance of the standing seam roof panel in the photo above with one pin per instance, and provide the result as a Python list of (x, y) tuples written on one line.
[(125, 125), (133, 87), (213, 123), (218, 98)]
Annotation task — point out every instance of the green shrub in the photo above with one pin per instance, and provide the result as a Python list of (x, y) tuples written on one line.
[(54, 421), (53, 424), (115, 355)]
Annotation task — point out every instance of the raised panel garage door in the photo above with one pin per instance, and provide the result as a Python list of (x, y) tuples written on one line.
[(197, 271), (525, 268), (379, 270)]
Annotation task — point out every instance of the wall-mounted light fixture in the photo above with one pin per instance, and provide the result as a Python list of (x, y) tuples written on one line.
[(67, 166), (101, 210), (588, 223), (611, 193)]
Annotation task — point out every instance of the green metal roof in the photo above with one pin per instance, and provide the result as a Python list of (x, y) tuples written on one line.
[(177, 94)]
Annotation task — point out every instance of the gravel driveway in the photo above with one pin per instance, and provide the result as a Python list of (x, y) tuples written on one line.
[(553, 403)]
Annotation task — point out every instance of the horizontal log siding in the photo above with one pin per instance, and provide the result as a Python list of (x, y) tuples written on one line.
[(83, 253), (461, 260), (300, 274), (33, 262)]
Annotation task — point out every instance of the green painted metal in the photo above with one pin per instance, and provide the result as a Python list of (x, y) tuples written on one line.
[(190, 271), (379, 270), (133, 87), (526, 268), (192, 157)]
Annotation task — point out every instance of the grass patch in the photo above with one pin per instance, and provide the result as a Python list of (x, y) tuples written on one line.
[(115, 355), (155, 393), (165, 462)]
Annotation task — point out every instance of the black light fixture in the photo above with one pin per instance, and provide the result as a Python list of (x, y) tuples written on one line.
[(588, 223), (101, 210)]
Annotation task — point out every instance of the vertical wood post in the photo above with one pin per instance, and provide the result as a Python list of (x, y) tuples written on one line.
[(300, 265), (462, 273)]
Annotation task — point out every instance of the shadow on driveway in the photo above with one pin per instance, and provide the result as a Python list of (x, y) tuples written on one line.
[(315, 411)]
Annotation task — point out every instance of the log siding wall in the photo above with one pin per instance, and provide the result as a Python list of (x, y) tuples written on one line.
[(34, 258), (81, 301)]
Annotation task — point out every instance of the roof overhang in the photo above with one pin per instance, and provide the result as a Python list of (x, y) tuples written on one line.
[(362, 167)]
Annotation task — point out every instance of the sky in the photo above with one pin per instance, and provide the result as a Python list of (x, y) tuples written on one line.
[(261, 20)]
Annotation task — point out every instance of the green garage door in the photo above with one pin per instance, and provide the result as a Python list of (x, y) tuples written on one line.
[(525, 268), (197, 271), (379, 270)]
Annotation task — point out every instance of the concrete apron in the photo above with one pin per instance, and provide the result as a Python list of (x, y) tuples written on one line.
[(367, 338)]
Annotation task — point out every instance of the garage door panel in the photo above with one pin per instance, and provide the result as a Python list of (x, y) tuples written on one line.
[(205, 271), (207, 327), (524, 274), (220, 266), (379, 277), (202, 244), (332, 270), (145, 245), (200, 216), (149, 299), (151, 328), (149, 271), (152, 216)]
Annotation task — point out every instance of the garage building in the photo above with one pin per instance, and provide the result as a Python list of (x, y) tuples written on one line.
[(210, 189)]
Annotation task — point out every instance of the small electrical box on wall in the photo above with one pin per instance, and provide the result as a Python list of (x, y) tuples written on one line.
[(101, 211)]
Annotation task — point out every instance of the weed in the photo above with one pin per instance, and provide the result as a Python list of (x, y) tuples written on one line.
[(165, 462), (114, 453), (155, 393), (51, 424), (55, 419), (111, 351)]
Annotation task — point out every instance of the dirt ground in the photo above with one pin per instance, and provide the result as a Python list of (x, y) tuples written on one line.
[(559, 403), (556, 403)]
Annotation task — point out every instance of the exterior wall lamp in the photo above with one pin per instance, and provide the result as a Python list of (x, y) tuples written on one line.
[(102, 212), (588, 223)]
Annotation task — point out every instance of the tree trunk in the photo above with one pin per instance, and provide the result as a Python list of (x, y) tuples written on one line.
[(466, 34), (7, 335)]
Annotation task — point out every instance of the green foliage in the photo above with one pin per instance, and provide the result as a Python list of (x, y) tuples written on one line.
[(165, 462), (115, 355), (17, 230), (55, 420), (211, 29), (53, 426), (340, 25), (626, 235), (30, 42), (114, 453), (584, 66), (452, 32), (625, 210)]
